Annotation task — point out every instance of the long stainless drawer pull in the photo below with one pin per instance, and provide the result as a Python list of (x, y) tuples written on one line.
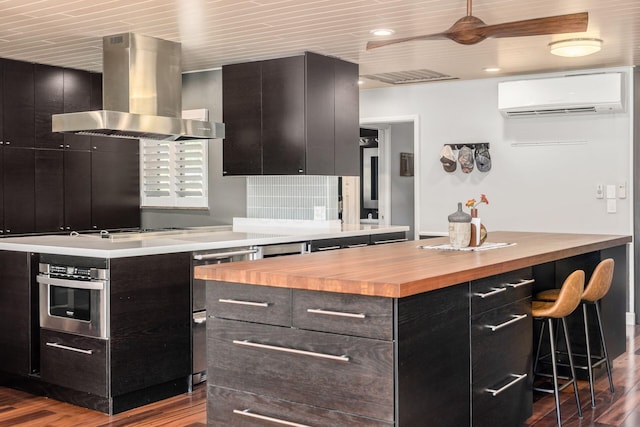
[(517, 379), (336, 313), (328, 248), (76, 284), (359, 245), (380, 242), (291, 350), (265, 418), (522, 282), (516, 317), (494, 291), (64, 347), (240, 302), (222, 255)]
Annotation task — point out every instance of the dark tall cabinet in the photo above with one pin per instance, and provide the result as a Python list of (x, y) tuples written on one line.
[(74, 187), (18, 176), (18, 104), (291, 116), (115, 183)]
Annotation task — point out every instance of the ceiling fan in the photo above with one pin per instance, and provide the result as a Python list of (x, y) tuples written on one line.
[(472, 30)]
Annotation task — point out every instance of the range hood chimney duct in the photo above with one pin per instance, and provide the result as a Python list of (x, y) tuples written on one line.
[(142, 94)]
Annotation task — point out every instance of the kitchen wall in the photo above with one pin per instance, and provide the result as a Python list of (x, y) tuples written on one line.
[(402, 194), (545, 169), (227, 195)]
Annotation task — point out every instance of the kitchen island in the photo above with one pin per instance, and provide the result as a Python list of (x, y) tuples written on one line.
[(391, 335), (140, 349)]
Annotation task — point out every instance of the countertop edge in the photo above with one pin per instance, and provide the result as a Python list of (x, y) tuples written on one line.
[(298, 279)]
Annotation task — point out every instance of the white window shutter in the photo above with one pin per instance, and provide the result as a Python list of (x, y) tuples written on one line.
[(175, 173)]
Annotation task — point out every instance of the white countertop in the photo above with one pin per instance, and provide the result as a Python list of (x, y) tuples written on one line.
[(92, 245)]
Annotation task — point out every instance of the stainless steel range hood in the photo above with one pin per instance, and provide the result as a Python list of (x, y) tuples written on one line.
[(142, 94)]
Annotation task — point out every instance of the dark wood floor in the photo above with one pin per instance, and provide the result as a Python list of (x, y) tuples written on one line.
[(621, 409)]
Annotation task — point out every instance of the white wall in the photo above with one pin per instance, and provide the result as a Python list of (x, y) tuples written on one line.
[(537, 187), (402, 195)]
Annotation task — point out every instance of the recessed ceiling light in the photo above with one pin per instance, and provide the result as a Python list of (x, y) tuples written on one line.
[(382, 32), (491, 69), (360, 82), (575, 47)]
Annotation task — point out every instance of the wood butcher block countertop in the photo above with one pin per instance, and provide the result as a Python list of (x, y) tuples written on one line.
[(401, 269)]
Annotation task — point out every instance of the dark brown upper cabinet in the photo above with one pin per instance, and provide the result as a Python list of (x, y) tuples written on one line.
[(49, 83), (291, 116), (18, 104), (76, 97)]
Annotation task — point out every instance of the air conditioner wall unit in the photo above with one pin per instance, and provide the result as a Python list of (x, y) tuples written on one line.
[(575, 94)]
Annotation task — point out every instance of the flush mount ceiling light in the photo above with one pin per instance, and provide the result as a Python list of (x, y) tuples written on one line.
[(575, 47), (382, 32)]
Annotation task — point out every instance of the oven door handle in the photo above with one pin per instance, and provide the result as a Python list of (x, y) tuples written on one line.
[(76, 284)]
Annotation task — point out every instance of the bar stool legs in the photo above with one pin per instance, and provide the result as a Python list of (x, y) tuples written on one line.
[(554, 366), (604, 359)]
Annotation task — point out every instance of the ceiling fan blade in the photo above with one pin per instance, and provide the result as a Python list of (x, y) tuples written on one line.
[(380, 43), (572, 23)]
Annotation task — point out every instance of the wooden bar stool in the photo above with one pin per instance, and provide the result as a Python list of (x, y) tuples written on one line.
[(596, 289), (546, 311)]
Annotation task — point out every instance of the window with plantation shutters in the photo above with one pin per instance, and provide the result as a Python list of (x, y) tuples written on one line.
[(174, 173)]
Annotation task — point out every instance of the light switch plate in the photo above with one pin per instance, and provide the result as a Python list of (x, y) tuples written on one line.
[(622, 190), (611, 191), (599, 191), (611, 205)]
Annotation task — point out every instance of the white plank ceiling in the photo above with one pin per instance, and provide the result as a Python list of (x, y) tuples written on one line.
[(217, 32)]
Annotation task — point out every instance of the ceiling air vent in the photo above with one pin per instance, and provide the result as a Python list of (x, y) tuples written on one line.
[(408, 77)]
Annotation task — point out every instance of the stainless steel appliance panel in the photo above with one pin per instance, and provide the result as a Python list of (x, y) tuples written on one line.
[(74, 298)]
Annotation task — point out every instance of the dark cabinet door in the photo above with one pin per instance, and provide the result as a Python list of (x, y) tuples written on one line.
[(19, 190), (48, 100), (49, 190), (320, 114), (283, 116), (76, 97), (115, 186), (242, 115), (347, 107), (2, 62), (96, 91), (150, 346), (18, 103), (77, 190), (15, 306)]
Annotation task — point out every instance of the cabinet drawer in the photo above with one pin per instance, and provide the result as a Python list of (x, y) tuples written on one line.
[(338, 372), (226, 407), (74, 361), (262, 304), (501, 347), (357, 315), (494, 291), (343, 242), (378, 239)]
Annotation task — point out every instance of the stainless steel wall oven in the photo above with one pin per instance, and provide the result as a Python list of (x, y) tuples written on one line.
[(74, 295)]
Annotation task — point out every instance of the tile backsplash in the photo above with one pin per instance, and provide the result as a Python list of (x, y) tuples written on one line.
[(292, 197)]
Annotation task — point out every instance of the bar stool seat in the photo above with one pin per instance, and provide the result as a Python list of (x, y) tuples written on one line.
[(566, 302), (598, 286)]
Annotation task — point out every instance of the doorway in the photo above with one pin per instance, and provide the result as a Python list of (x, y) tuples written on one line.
[(398, 172)]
